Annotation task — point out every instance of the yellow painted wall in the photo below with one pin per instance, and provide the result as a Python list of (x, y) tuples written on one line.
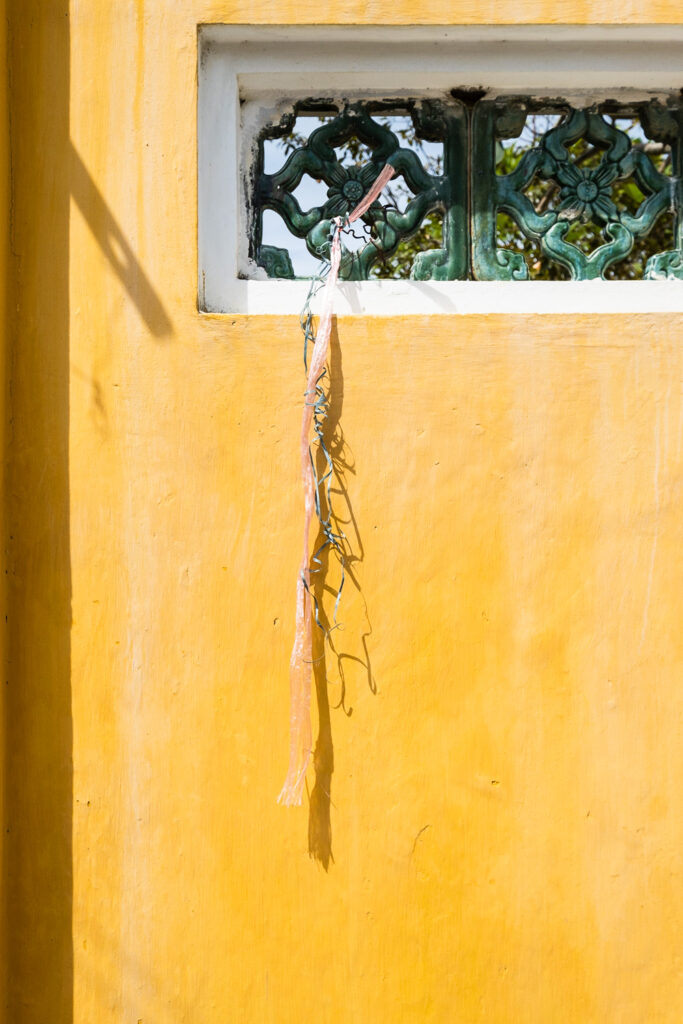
[(5, 290), (501, 820), (39, 730)]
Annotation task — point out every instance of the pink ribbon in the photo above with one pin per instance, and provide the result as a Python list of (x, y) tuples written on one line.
[(301, 661)]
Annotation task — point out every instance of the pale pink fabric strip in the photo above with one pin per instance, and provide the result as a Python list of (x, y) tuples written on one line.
[(385, 176), (300, 664), (301, 661)]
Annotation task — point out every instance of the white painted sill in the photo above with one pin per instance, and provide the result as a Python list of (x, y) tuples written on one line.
[(248, 75), (405, 298)]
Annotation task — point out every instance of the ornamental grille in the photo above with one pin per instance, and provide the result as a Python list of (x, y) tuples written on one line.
[(492, 189)]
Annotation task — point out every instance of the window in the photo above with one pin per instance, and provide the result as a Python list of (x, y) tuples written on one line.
[(570, 181), (495, 190)]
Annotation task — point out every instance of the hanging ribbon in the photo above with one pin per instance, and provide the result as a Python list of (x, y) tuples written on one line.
[(301, 661)]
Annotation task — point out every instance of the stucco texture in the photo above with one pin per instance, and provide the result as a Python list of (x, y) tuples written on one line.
[(495, 811)]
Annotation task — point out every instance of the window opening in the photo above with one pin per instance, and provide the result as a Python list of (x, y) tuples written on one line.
[(320, 160), (511, 188), (592, 192)]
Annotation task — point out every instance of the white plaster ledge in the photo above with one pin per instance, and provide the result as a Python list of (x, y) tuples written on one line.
[(406, 298)]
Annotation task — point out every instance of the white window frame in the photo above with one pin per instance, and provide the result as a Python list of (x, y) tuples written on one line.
[(249, 75)]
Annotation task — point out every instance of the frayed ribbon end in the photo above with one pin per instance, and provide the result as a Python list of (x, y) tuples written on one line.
[(292, 792)]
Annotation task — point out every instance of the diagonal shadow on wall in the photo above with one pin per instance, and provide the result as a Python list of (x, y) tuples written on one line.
[(116, 247)]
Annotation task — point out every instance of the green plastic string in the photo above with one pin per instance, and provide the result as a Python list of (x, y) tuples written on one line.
[(319, 400)]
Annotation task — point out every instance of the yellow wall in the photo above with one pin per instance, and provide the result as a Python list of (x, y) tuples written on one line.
[(39, 730), (5, 288), (505, 812)]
